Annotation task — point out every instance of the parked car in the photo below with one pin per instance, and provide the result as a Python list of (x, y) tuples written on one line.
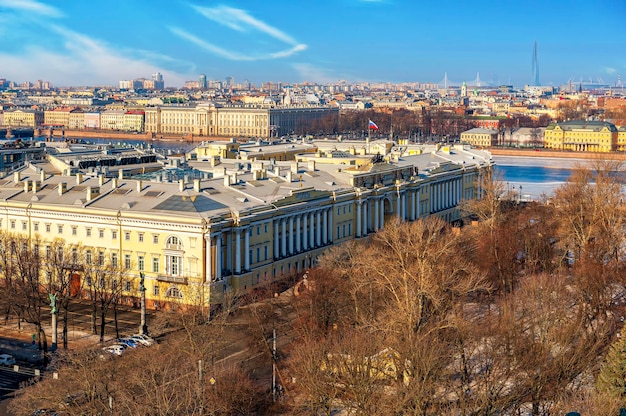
[(115, 349), (7, 359), (143, 339), (129, 342)]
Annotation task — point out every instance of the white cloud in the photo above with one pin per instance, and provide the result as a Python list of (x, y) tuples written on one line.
[(610, 70), (240, 21), (32, 6), (83, 60), (313, 73)]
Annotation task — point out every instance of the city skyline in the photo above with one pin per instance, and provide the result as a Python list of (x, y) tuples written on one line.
[(101, 43)]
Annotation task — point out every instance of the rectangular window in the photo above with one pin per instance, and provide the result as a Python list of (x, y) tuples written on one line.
[(141, 263), (127, 286), (127, 236), (74, 230), (88, 281), (36, 226), (127, 261), (114, 259), (140, 237), (258, 230), (101, 258), (88, 257), (155, 264), (113, 235), (101, 233), (265, 228), (60, 229), (266, 248), (13, 224), (24, 225), (48, 228), (155, 239), (155, 291), (48, 252), (258, 254), (88, 232)]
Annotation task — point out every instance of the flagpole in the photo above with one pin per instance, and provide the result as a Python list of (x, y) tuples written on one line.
[(369, 134)]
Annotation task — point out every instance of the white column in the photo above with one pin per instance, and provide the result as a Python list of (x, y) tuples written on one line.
[(276, 240), (283, 239), (318, 229), (229, 251), (311, 230), (330, 225), (209, 260), (298, 240), (324, 227), (382, 214), (305, 232), (291, 235), (417, 203), (405, 205), (358, 219), (246, 248), (218, 257), (366, 228), (376, 215), (238, 251), (398, 205)]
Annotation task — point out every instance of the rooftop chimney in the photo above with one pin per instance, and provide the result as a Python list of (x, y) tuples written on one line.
[(17, 177), (114, 183), (181, 185), (92, 192), (120, 174), (196, 185), (36, 186), (62, 188), (26, 185), (79, 178), (42, 175), (139, 186), (100, 180)]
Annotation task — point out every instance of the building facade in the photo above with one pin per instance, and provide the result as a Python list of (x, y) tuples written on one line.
[(24, 118), (480, 137), (581, 135), (240, 224)]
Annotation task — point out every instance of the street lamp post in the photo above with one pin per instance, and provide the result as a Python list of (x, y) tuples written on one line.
[(520, 193), (143, 327)]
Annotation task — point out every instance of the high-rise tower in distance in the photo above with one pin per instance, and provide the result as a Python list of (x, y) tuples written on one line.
[(535, 74)]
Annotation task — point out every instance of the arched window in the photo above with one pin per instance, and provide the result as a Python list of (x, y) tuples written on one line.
[(173, 292)]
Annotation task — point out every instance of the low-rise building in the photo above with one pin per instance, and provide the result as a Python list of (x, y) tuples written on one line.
[(480, 137), (581, 135), (24, 118)]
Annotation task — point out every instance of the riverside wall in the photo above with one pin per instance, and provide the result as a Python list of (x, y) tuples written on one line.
[(498, 151)]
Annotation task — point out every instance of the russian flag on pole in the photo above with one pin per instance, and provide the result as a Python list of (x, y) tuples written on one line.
[(373, 125)]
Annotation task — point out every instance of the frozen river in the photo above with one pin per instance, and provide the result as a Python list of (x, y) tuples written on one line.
[(536, 176)]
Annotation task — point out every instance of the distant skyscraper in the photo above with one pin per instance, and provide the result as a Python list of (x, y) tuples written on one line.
[(202, 81), (159, 84), (535, 66), (230, 81)]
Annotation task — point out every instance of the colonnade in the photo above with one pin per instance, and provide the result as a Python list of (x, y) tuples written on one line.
[(445, 194), (296, 233), (293, 234)]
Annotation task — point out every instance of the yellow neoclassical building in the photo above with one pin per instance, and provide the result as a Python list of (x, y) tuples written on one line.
[(581, 135), (24, 118), (231, 226), (480, 137)]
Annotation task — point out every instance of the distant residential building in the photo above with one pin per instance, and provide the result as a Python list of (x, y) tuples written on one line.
[(92, 120), (582, 135), (112, 119), (480, 137), (24, 118), (59, 116), (621, 138), (76, 120), (134, 120)]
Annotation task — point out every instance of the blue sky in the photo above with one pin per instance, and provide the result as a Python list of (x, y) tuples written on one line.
[(80, 42)]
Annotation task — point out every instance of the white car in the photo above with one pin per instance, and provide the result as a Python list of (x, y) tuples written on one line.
[(115, 349), (142, 339), (7, 359)]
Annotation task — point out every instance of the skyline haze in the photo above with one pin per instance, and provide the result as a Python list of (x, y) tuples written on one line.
[(100, 43)]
